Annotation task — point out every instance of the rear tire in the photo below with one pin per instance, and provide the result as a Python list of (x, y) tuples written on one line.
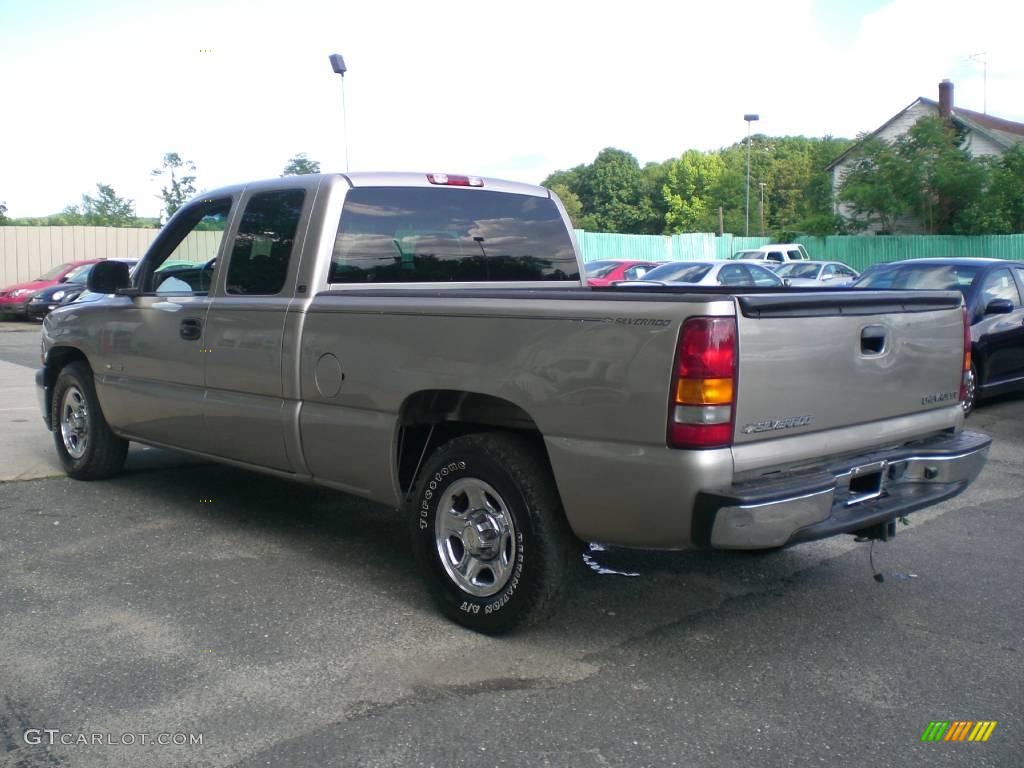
[(86, 447), (489, 534), (972, 392)]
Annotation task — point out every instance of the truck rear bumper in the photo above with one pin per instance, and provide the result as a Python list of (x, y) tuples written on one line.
[(849, 496)]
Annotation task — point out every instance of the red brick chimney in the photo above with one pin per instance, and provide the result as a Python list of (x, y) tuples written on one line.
[(945, 99)]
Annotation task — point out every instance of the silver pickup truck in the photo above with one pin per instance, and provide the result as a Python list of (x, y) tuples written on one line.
[(425, 341)]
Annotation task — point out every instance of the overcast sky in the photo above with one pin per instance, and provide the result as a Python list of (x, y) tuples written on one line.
[(99, 90)]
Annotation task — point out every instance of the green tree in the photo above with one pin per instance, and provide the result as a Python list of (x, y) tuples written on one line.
[(1004, 196), (571, 202), (926, 174), (3, 211), (615, 196), (300, 165), (945, 180), (179, 186), (875, 188), (687, 191), (105, 209)]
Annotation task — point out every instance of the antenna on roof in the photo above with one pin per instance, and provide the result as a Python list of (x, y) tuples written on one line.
[(984, 78)]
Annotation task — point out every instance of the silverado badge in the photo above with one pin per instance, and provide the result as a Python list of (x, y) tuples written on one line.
[(770, 425)]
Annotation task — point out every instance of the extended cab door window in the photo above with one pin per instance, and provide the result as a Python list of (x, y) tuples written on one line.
[(263, 246), (245, 332)]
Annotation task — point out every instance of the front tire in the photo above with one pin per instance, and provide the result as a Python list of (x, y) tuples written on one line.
[(489, 534), (86, 447)]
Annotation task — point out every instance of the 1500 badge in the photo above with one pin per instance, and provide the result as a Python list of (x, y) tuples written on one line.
[(770, 425)]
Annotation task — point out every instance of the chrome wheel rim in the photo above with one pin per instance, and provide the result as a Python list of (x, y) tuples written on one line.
[(74, 422), (972, 386), (475, 537)]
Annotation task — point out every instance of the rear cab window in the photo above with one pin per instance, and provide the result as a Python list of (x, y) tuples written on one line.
[(447, 235)]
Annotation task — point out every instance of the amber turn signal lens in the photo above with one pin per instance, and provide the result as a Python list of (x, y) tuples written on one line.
[(704, 391)]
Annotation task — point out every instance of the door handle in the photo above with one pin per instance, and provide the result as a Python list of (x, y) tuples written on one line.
[(191, 329), (873, 340)]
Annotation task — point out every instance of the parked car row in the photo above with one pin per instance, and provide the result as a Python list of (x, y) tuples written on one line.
[(70, 287), (66, 283), (14, 299), (993, 291)]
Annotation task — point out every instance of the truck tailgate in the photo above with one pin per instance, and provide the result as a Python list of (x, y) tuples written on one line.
[(825, 360)]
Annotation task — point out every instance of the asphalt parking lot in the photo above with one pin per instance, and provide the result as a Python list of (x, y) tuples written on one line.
[(285, 626)]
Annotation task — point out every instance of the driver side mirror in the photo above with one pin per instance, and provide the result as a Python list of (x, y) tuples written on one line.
[(999, 307), (108, 277)]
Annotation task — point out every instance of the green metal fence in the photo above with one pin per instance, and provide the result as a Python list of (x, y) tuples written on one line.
[(862, 252), (692, 246), (857, 251)]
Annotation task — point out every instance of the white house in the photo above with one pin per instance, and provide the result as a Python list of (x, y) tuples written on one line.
[(983, 135)]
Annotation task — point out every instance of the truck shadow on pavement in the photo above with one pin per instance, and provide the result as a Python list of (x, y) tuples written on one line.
[(366, 545)]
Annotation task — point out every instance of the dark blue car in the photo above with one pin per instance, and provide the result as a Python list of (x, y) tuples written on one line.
[(64, 292), (993, 292)]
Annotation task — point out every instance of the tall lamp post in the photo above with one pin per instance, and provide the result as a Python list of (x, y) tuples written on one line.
[(749, 118), (762, 207), (338, 65)]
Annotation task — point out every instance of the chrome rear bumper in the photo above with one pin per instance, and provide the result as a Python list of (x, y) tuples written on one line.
[(849, 496)]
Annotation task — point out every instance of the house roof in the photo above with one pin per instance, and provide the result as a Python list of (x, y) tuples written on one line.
[(1005, 133)]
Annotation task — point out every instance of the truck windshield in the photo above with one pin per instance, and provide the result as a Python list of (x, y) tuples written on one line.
[(428, 234)]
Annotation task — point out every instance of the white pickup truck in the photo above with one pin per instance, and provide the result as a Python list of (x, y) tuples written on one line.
[(424, 340)]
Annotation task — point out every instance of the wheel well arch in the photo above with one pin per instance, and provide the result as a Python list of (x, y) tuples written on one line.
[(58, 358), (430, 418)]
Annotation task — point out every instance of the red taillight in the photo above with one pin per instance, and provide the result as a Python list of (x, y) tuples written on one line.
[(703, 395), (452, 180), (966, 371)]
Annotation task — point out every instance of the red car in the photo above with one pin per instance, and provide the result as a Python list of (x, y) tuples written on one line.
[(14, 298), (609, 271)]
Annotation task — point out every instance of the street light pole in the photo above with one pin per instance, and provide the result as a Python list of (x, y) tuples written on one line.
[(762, 207), (749, 118), (338, 65)]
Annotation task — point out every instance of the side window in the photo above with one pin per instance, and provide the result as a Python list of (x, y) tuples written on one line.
[(828, 271), (446, 234), (999, 285), (845, 272), (258, 264), (795, 255), (734, 274), (764, 278), (775, 256), (186, 266), (637, 272)]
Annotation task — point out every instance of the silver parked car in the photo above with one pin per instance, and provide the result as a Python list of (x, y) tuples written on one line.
[(710, 273), (817, 274)]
